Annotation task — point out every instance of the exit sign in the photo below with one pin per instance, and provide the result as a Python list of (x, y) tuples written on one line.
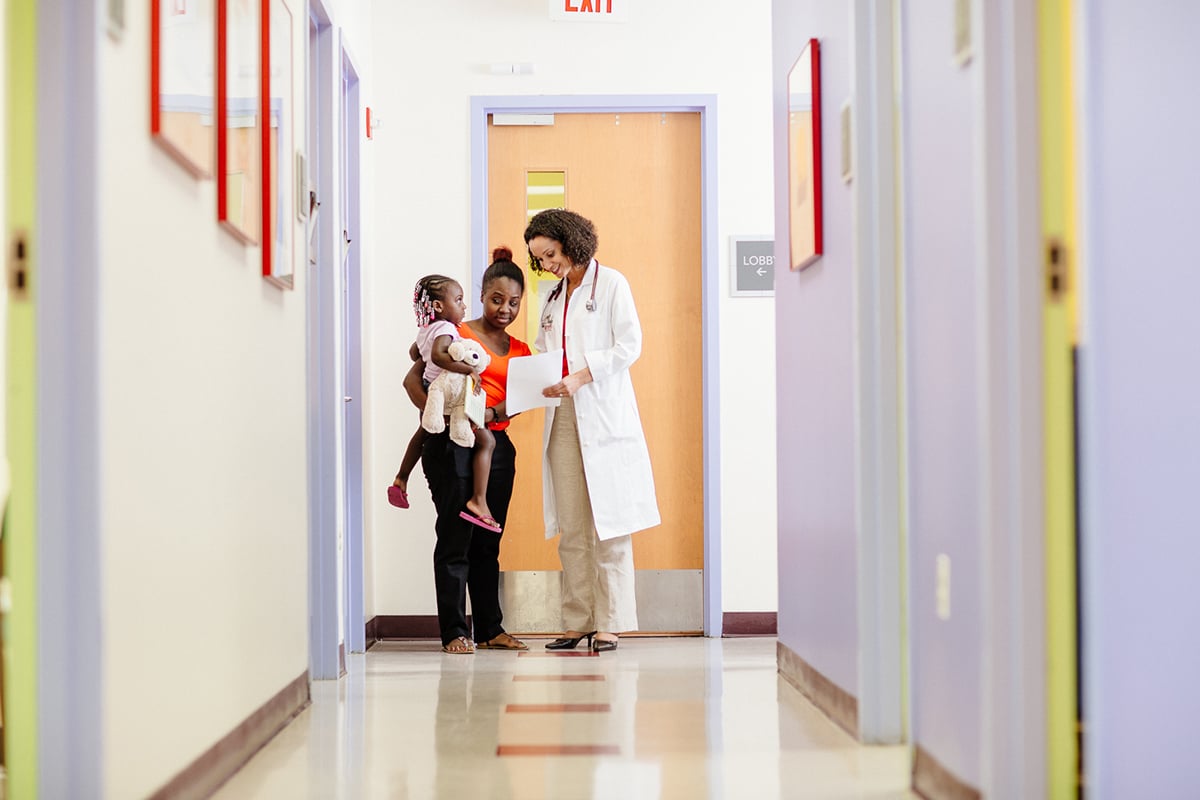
[(589, 10)]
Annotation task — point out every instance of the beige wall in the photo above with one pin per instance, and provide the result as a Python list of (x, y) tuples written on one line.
[(202, 447)]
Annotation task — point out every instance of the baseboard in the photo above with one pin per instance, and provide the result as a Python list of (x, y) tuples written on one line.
[(749, 623), (933, 781), (425, 626), (834, 701), (404, 626), (218, 764)]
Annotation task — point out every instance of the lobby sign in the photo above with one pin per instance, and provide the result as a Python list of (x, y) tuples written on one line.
[(589, 10), (753, 266)]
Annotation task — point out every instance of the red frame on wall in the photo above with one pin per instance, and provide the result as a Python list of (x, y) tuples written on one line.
[(280, 178), (264, 115), (199, 165), (797, 216), (222, 120)]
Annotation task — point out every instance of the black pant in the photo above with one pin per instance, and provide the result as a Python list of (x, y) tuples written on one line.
[(466, 557)]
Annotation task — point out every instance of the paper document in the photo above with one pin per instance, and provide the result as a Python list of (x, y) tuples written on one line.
[(475, 402), (528, 376)]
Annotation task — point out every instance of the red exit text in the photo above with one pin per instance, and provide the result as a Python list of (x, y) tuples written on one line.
[(587, 6)]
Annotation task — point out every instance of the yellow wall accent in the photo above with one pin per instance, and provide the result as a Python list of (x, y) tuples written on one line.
[(1058, 181), (20, 625)]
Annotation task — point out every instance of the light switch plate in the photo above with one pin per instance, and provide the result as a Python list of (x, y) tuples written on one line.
[(963, 49), (847, 143), (302, 198), (943, 586), (115, 22)]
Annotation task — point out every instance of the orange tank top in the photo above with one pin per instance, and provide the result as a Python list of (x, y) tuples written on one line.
[(495, 377)]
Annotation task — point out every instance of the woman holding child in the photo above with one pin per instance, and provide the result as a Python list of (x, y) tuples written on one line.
[(466, 557)]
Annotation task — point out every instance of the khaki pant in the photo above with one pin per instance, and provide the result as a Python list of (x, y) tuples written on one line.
[(598, 588)]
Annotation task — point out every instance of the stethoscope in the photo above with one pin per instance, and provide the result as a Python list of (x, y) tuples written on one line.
[(590, 305)]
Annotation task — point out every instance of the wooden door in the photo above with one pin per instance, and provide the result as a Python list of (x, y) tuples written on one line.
[(637, 177)]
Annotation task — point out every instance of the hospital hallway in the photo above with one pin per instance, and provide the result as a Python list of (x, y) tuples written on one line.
[(661, 718), (899, 301)]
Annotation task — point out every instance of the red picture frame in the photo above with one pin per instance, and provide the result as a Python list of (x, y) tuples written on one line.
[(278, 148), (242, 30), (182, 82), (805, 224)]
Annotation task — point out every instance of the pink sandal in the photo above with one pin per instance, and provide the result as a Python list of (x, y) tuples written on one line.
[(397, 496), (487, 523)]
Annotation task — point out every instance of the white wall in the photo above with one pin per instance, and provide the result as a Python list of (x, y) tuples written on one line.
[(1140, 435), (942, 347), (202, 449), (818, 607), (430, 58)]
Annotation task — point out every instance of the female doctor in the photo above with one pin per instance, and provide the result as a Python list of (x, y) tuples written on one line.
[(600, 488)]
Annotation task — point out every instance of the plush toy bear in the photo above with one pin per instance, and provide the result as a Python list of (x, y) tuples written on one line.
[(448, 393)]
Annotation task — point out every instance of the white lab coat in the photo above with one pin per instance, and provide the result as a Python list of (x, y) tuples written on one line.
[(615, 459)]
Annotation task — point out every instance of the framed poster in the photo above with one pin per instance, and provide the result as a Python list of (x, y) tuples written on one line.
[(183, 81), (279, 163), (804, 157), (239, 125)]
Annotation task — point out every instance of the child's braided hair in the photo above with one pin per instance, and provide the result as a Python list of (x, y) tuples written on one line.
[(428, 289)]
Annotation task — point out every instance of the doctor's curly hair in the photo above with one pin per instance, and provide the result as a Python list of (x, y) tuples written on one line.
[(574, 232)]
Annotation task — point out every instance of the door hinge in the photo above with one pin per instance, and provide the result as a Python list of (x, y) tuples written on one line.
[(18, 267), (1056, 270)]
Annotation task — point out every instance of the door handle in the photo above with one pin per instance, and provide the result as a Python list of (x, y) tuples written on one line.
[(347, 398)]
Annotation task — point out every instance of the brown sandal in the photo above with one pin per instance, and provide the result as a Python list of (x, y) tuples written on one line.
[(460, 646), (503, 642)]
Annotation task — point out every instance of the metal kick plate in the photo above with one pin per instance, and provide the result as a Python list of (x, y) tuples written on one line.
[(668, 601)]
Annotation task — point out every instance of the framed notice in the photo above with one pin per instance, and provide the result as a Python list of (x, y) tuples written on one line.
[(278, 155), (239, 123), (182, 81)]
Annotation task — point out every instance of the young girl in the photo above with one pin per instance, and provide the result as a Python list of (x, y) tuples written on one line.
[(438, 303)]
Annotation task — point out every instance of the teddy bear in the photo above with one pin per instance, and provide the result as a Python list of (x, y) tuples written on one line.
[(448, 393)]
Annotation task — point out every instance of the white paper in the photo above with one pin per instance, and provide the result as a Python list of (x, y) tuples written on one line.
[(527, 377), (475, 402)]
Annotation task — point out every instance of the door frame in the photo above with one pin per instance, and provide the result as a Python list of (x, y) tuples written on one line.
[(1009, 305), (324, 404), (66, 277), (706, 106), (879, 479), (351, 212)]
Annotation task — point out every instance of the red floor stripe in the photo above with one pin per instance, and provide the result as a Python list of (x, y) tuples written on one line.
[(567, 654), (555, 708), (558, 750), (558, 677)]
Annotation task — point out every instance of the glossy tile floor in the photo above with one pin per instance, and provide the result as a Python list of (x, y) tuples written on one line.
[(661, 718)]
